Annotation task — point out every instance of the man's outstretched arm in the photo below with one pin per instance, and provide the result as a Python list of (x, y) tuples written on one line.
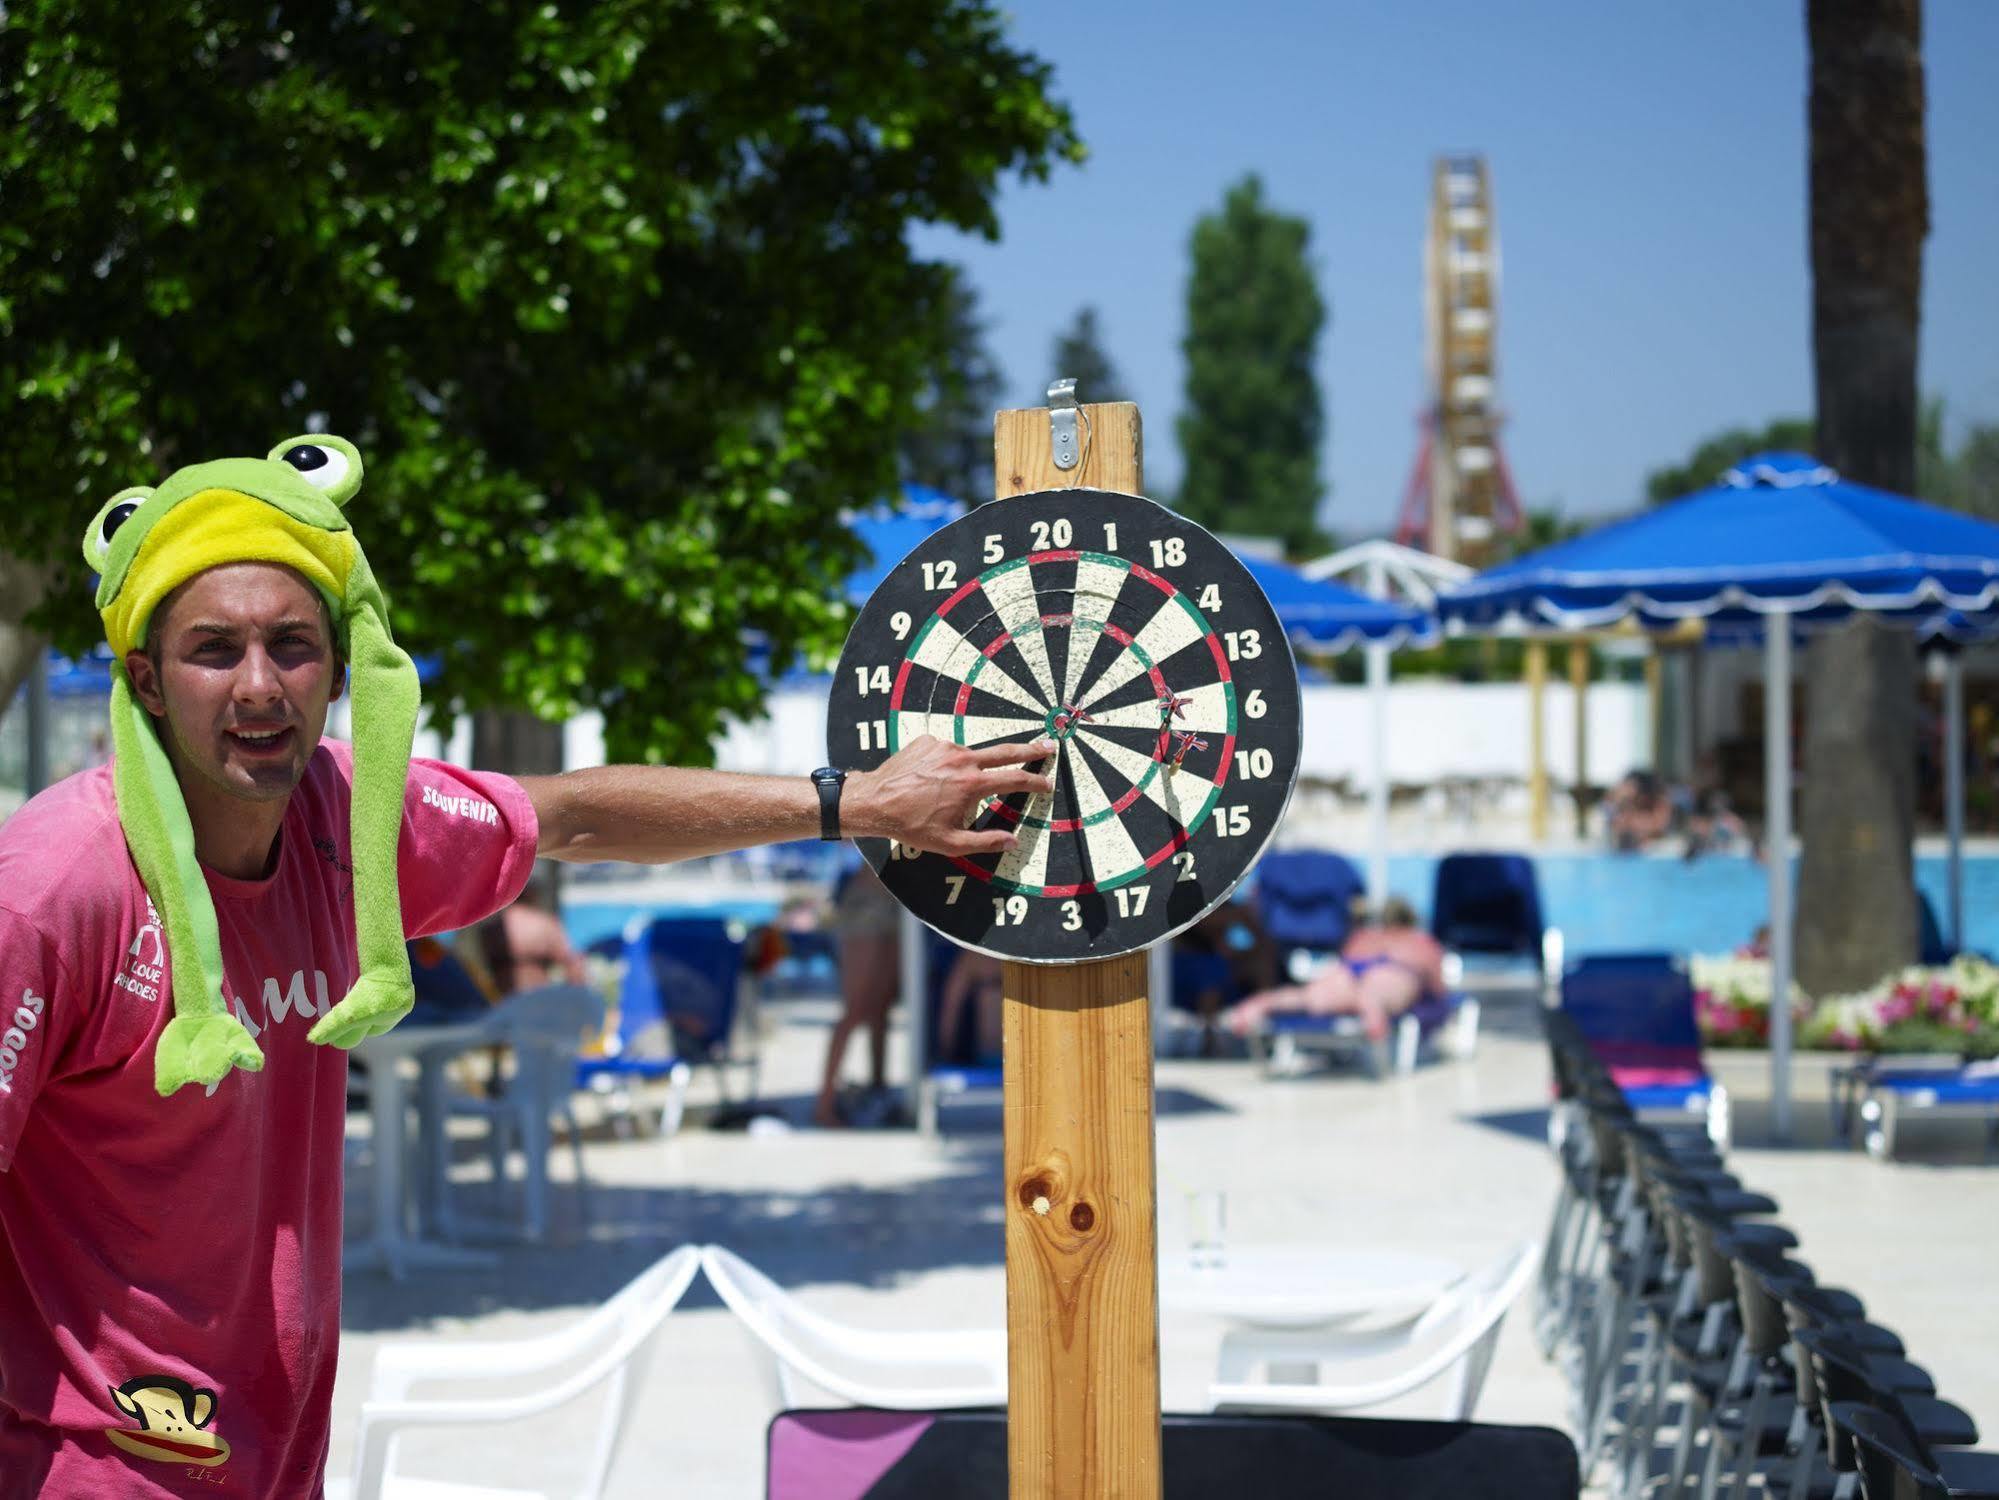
[(922, 796)]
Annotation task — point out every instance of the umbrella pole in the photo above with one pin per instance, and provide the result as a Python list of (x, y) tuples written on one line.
[(1953, 788), (1537, 752), (1777, 858), (1579, 692), (1377, 782)]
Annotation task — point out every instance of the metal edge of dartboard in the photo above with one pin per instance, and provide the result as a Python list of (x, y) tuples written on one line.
[(841, 727)]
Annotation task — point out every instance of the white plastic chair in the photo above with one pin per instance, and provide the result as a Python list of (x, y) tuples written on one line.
[(1471, 1312), (899, 1371), (545, 1027), (613, 1344)]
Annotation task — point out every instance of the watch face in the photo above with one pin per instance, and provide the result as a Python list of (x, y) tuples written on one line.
[(1145, 650)]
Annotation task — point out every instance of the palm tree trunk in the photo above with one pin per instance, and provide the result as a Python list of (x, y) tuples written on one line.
[(1869, 217)]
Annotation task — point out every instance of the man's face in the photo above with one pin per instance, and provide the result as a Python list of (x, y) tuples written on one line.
[(246, 668)]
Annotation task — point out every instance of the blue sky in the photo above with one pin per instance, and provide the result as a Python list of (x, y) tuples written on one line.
[(1649, 179)]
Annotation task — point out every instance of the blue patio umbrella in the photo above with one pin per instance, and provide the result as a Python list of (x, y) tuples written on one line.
[(1320, 615), (86, 676), (1781, 534), (891, 534)]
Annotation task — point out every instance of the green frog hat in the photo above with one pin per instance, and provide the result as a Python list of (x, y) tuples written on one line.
[(283, 508)]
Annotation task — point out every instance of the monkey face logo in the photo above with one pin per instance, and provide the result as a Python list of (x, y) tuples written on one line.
[(171, 1415)]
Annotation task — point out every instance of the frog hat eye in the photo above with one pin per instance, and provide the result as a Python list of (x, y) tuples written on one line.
[(329, 464), (104, 525), (323, 467)]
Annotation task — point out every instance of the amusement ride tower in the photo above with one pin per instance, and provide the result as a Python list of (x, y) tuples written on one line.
[(1461, 493)]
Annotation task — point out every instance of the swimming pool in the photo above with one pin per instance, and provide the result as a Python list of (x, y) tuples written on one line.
[(1603, 903), (588, 921)]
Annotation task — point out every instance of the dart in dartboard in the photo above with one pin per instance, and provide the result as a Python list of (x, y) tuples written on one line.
[(1144, 650)]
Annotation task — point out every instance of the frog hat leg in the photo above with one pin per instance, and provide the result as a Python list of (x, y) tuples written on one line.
[(384, 684), (285, 509), (203, 1041)]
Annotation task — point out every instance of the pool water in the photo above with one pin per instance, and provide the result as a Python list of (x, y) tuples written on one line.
[(1606, 903), (1603, 903), (591, 921)]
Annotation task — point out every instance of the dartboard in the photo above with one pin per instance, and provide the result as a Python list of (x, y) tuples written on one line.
[(1138, 644)]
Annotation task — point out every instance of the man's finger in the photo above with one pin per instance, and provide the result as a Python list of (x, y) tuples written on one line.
[(1013, 752), (994, 841), (1000, 783)]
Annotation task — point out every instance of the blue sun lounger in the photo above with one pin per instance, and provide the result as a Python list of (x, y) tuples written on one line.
[(1636, 1010), (676, 1007), (1970, 1090)]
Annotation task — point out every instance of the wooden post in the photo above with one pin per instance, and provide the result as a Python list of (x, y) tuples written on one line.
[(1537, 741), (1579, 654), (1082, 1232)]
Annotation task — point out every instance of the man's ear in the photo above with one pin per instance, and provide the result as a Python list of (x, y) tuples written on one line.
[(145, 682), (339, 681)]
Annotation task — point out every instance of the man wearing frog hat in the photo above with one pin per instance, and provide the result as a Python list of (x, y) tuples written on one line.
[(191, 937)]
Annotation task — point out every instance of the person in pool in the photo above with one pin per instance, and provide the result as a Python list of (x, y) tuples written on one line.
[(1388, 964)]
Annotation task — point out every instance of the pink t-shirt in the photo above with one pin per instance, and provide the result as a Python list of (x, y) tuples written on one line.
[(170, 1268)]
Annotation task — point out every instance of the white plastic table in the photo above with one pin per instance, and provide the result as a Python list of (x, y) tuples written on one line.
[(1282, 1286), (391, 1246)]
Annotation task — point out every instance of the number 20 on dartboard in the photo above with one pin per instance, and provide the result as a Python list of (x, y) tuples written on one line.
[(1144, 650)]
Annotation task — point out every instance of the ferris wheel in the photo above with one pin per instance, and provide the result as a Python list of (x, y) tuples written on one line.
[(1461, 493)]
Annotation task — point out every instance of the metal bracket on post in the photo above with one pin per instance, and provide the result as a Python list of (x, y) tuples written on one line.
[(1062, 414)]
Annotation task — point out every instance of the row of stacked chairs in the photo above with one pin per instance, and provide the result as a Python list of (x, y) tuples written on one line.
[(1674, 1298)]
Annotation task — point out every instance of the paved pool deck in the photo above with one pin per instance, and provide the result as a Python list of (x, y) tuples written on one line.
[(887, 1229)]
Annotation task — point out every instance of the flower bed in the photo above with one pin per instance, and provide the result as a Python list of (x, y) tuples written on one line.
[(1950, 1010), (1732, 1001)]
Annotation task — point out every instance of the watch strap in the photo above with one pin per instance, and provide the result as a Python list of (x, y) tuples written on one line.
[(828, 782)]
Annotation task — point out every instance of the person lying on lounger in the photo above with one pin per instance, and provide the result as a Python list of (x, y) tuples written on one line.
[(1387, 965)]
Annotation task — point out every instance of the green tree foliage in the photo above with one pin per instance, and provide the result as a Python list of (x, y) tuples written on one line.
[(1716, 455), (1078, 354), (1967, 479), (615, 298), (1974, 480), (949, 445), (1253, 423)]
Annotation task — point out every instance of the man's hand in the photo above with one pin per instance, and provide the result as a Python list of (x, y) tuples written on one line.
[(925, 794)]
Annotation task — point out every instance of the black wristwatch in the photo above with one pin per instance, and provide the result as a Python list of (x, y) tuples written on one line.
[(829, 779)]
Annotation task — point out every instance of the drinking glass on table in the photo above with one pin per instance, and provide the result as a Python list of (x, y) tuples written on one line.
[(1207, 1228)]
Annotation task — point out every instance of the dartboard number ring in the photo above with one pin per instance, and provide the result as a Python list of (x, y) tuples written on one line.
[(1145, 651)]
